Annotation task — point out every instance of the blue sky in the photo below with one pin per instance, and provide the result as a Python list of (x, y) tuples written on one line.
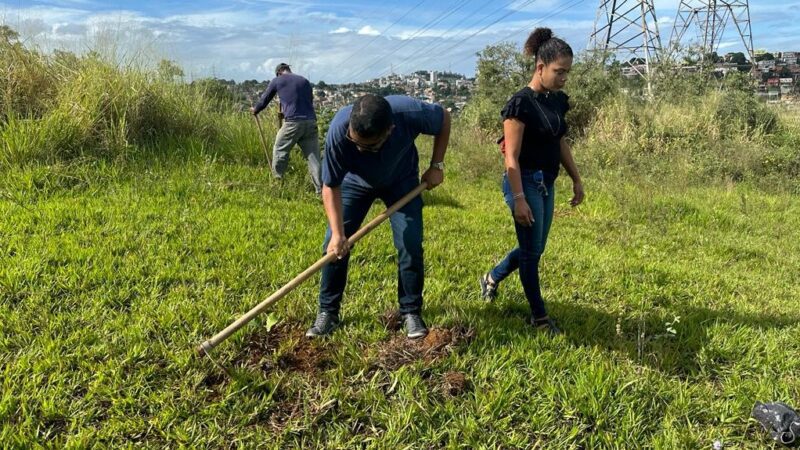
[(336, 40)]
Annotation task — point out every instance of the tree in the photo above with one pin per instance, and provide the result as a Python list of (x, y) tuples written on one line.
[(169, 70), (217, 90), (765, 57), (737, 58), (740, 60), (501, 71), (8, 35), (712, 57)]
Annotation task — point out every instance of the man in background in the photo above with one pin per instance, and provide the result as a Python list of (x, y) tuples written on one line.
[(299, 124)]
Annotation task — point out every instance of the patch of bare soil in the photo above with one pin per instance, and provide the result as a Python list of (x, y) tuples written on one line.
[(440, 342), (213, 379), (453, 384), (285, 347)]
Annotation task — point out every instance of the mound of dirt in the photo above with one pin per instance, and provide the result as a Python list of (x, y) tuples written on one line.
[(440, 342), (454, 384), (285, 347)]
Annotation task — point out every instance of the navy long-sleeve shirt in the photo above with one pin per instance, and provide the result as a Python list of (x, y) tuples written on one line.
[(297, 97)]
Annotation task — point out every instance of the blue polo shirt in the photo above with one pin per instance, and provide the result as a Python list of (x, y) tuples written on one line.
[(396, 160)]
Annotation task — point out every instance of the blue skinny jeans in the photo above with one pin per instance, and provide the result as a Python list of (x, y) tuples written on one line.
[(531, 240)]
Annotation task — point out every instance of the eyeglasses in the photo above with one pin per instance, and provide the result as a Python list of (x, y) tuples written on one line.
[(374, 147)]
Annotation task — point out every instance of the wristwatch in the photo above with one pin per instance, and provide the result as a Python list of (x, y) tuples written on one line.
[(438, 165)]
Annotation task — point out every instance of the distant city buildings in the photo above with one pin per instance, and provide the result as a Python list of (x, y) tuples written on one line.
[(779, 75), (451, 90)]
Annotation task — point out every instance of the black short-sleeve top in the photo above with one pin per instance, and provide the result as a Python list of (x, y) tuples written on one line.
[(544, 117)]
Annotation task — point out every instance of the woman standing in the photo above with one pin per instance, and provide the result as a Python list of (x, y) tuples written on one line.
[(534, 127)]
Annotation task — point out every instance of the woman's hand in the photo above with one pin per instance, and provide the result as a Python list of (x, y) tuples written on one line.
[(522, 212), (577, 191)]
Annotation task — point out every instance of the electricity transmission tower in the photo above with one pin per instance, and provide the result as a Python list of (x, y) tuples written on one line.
[(711, 18), (628, 29)]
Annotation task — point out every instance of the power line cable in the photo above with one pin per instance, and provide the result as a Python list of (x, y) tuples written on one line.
[(382, 33), (430, 50), (436, 20), (447, 50), (538, 21), (424, 28), (527, 27)]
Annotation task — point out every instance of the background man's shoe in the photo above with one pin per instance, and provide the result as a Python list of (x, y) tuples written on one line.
[(415, 326), (488, 288), (324, 325)]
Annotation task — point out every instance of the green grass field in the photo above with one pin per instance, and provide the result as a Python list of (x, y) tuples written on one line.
[(678, 300)]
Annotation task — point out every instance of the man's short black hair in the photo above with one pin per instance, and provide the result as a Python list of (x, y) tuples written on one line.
[(371, 116), (282, 67)]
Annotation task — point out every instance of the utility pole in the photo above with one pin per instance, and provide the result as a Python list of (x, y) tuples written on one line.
[(629, 30), (711, 19)]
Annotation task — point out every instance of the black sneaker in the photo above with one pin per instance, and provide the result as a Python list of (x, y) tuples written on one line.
[(488, 288), (324, 325), (415, 326), (545, 324)]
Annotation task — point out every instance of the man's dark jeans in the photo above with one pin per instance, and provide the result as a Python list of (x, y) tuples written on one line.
[(531, 240), (407, 231)]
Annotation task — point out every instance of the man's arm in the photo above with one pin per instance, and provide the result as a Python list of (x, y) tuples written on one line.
[(332, 200), (266, 97), (434, 176)]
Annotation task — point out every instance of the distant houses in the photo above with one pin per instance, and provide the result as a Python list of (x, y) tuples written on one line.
[(780, 75), (449, 89)]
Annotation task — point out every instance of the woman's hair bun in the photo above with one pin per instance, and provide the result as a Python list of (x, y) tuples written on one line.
[(535, 40)]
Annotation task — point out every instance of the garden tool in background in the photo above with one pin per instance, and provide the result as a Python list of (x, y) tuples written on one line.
[(780, 421)]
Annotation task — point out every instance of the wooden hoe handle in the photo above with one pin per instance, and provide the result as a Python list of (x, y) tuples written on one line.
[(208, 345)]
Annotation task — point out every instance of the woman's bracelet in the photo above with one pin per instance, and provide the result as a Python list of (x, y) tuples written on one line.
[(518, 195)]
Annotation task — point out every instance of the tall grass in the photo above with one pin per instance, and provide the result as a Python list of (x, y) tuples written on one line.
[(58, 107), (719, 135)]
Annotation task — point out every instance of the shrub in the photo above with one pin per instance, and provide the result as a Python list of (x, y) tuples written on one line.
[(62, 106)]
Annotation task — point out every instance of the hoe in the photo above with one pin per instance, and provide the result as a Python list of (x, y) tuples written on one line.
[(206, 347)]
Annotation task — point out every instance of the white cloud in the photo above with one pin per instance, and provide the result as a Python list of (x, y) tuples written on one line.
[(729, 44), (66, 28), (368, 31), (341, 30), (268, 67)]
